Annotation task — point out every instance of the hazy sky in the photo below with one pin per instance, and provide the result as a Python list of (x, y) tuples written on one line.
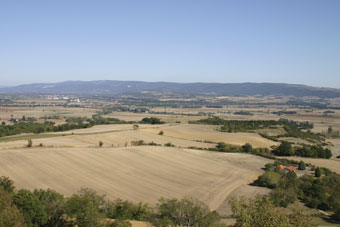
[(291, 41)]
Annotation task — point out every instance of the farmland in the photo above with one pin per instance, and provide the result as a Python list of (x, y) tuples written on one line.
[(137, 160)]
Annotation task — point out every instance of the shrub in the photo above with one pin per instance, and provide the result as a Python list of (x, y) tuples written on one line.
[(100, 143), (269, 179), (161, 133), (169, 144)]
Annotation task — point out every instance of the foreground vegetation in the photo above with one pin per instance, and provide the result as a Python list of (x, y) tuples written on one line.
[(317, 188)]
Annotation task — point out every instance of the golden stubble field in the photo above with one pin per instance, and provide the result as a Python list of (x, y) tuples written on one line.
[(209, 133), (141, 173)]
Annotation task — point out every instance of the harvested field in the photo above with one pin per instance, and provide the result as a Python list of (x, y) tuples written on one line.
[(134, 173), (110, 135), (210, 133)]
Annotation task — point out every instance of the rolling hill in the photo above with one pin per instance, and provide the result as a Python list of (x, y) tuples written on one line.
[(112, 87)]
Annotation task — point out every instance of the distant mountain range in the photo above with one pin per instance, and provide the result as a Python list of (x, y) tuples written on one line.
[(111, 87)]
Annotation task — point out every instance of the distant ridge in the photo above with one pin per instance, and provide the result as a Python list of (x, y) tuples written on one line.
[(112, 87)]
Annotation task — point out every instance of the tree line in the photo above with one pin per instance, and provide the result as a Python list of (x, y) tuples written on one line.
[(71, 124)]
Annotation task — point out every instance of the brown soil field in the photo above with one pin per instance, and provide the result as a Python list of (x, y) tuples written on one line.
[(210, 133), (134, 173)]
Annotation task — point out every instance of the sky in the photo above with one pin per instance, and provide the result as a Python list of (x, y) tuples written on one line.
[(227, 41)]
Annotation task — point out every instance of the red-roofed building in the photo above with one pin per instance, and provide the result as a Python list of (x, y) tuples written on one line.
[(288, 168)]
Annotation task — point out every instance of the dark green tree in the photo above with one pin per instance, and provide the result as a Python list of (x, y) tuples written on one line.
[(247, 148), (85, 208), (31, 208), (302, 165), (317, 172), (53, 203), (285, 149), (7, 184)]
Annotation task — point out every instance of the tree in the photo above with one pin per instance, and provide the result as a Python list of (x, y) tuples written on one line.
[(100, 143), (29, 143), (185, 212), (260, 212), (85, 208), (221, 146), (269, 179), (302, 165), (7, 184), (330, 130), (317, 172), (53, 203), (31, 208), (126, 210), (9, 213), (247, 148), (285, 149)]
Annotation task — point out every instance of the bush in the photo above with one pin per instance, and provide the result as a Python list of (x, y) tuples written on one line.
[(137, 143), (100, 143), (161, 133), (269, 179), (169, 144)]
